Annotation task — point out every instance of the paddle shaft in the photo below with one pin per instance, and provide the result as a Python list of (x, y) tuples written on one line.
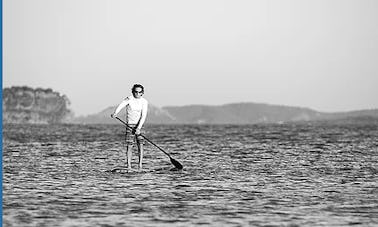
[(144, 137)]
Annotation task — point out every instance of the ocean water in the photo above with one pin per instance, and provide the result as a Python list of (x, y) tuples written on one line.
[(255, 175)]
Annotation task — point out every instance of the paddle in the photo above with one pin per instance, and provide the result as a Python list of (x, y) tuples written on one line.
[(174, 162)]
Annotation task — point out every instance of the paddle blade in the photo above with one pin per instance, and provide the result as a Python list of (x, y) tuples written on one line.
[(176, 164)]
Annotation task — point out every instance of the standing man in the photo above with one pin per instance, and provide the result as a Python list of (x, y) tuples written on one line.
[(136, 112)]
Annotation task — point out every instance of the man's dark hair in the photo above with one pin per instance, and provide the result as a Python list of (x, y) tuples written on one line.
[(136, 86)]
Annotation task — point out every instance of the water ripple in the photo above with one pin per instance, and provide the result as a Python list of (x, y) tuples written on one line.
[(258, 175)]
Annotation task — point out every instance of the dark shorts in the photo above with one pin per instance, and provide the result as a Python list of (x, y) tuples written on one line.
[(131, 138)]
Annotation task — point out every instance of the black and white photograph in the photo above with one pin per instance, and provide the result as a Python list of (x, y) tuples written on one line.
[(189, 113)]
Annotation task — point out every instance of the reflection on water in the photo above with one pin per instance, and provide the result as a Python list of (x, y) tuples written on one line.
[(257, 175)]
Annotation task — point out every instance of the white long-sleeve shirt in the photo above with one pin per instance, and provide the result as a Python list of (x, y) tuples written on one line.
[(136, 110)]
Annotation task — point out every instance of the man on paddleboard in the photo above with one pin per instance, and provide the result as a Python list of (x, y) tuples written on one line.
[(136, 112)]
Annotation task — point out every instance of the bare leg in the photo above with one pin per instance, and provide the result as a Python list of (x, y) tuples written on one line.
[(128, 155), (140, 149)]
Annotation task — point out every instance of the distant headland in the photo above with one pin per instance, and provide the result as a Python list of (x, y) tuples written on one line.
[(37, 106)]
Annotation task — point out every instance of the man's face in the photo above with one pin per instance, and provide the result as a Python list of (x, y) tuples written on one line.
[(137, 92)]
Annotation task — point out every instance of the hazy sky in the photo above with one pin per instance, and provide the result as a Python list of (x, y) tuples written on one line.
[(321, 54)]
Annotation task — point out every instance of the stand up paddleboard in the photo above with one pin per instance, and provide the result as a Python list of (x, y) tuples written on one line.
[(124, 170)]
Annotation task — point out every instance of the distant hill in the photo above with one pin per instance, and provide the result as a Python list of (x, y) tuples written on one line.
[(29, 105), (239, 113), (235, 113)]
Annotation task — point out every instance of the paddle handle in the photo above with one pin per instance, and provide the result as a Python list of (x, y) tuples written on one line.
[(144, 137)]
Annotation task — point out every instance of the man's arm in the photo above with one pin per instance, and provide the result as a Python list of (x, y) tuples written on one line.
[(120, 107)]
